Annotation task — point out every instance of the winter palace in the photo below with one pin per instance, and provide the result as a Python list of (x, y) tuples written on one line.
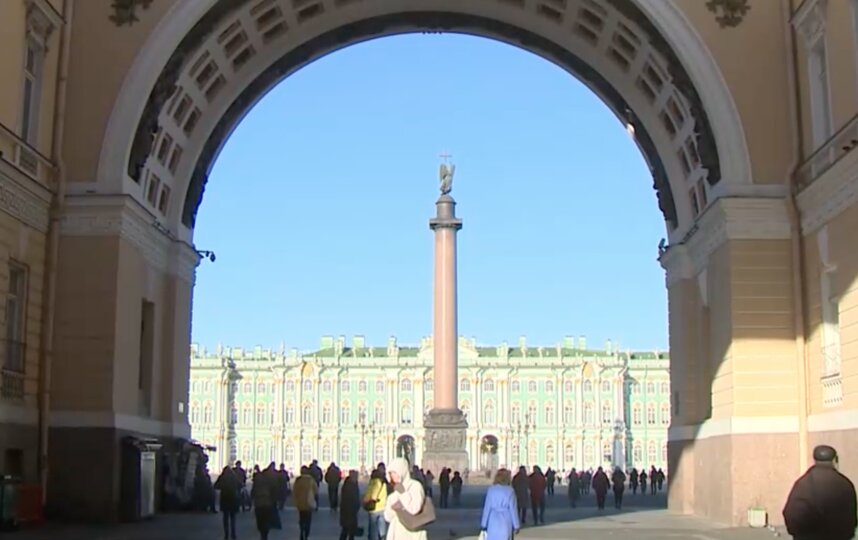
[(563, 406)]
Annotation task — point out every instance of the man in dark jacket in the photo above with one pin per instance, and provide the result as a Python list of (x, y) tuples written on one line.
[(332, 477), (822, 503), (600, 486)]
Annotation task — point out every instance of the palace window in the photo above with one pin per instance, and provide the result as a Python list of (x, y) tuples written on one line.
[(379, 454), (665, 414), (589, 458), (405, 414), (327, 455), (549, 386), (531, 415), (515, 386), (246, 453), (290, 386), (345, 454), (568, 413), (195, 413), (208, 414), (488, 385), (650, 414), (636, 388), (651, 453), (379, 387), (362, 454), (345, 386), (327, 387), (429, 385), (289, 454), (247, 415), (272, 412), (533, 453), (208, 386), (637, 454), (247, 388), (260, 455), (588, 413), (489, 414), (606, 413), (664, 388), (261, 415), (549, 414), (607, 452), (464, 385), (650, 389), (568, 386), (308, 385), (569, 456), (588, 386), (196, 387), (405, 385), (306, 453), (379, 414), (362, 387), (345, 415), (262, 388), (327, 414), (289, 416), (307, 414), (532, 387), (515, 451), (549, 454), (606, 386), (637, 414), (515, 416)]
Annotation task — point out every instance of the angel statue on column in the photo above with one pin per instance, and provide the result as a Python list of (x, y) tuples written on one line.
[(446, 175)]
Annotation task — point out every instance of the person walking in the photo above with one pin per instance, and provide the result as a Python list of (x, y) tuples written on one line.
[(633, 480), (230, 489), (537, 484), (430, 478), (456, 486), (618, 482), (520, 485), (305, 493), (407, 496), (374, 501), (264, 495), (600, 486), (350, 504), (243, 497), (574, 488), (550, 480), (333, 477), (444, 485), (643, 478), (653, 480), (822, 504), (500, 511)]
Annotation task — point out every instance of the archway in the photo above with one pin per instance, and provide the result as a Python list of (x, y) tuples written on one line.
[(406, 448), (196, 66), (489, 460)]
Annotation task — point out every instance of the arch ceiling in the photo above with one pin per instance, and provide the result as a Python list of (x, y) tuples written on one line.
[(239, 49)]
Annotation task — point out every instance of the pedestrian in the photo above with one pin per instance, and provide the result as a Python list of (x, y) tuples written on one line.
[(618, 482), (574, 488), (444, 484), (374, 501), (407, 496), (600, 486), (643, 478), (520, 484), (305, 493), (633, 480), (660, 474), (349, 507), (500, 511), (456, 485), (230, 488), (243, 497), (333, 477), (550, 479), (822, 502), (430, 478), (653, 480), (282, 486), (264, 495), (536, 484)]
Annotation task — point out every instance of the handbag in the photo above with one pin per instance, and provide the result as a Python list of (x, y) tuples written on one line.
[(416, 522), (370, 505)]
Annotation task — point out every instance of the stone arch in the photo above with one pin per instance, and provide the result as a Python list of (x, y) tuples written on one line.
[(663, 54)]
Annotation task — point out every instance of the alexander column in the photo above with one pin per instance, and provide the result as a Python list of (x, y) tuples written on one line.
[(446, 426)]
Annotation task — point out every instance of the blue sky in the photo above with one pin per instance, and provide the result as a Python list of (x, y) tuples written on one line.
[(318, 205)]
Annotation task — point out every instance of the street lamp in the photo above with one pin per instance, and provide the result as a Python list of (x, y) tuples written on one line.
[(363, 427), (526, 429)]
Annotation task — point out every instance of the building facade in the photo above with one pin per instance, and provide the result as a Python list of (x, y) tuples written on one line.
[(563, 406)]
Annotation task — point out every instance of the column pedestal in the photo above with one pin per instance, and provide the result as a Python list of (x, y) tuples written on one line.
[(445, 441)]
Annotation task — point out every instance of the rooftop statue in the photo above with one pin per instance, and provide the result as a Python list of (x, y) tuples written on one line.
[(446, 176)]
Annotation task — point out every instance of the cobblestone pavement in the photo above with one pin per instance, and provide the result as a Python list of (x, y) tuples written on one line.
[(643, 518)]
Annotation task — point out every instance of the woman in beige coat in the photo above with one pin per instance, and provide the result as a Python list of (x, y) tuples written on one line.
[(408, 493)]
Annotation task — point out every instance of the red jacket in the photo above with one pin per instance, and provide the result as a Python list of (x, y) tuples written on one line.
[(537, 487)]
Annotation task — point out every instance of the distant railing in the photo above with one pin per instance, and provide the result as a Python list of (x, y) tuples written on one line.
[(832, 151), (832, 390), (29, 160), (12, 375)]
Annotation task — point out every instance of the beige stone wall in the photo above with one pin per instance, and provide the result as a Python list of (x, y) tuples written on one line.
[(766, 121)]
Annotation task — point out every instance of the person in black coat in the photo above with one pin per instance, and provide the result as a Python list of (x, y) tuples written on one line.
[(350, 504), (822, 502), (444, 484), (229, 485), (574, 488)]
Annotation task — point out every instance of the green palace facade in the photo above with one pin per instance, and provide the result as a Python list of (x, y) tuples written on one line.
[(562, 406)]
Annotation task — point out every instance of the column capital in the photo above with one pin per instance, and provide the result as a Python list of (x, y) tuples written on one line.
[(729, 218)]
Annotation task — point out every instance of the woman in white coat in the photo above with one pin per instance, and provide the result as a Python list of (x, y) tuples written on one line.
[(408, 493)]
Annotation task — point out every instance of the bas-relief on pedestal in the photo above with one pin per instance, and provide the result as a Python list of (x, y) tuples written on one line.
[(445, 440)]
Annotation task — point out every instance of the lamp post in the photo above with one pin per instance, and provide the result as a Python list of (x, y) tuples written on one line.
[(525, 429), (363, 427)]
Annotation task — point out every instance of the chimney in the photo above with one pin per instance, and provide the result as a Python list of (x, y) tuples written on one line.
[(608, 346), (582, 343), (327, 342), (340, 345), (568, 342), (391, 346), (358, 342)]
